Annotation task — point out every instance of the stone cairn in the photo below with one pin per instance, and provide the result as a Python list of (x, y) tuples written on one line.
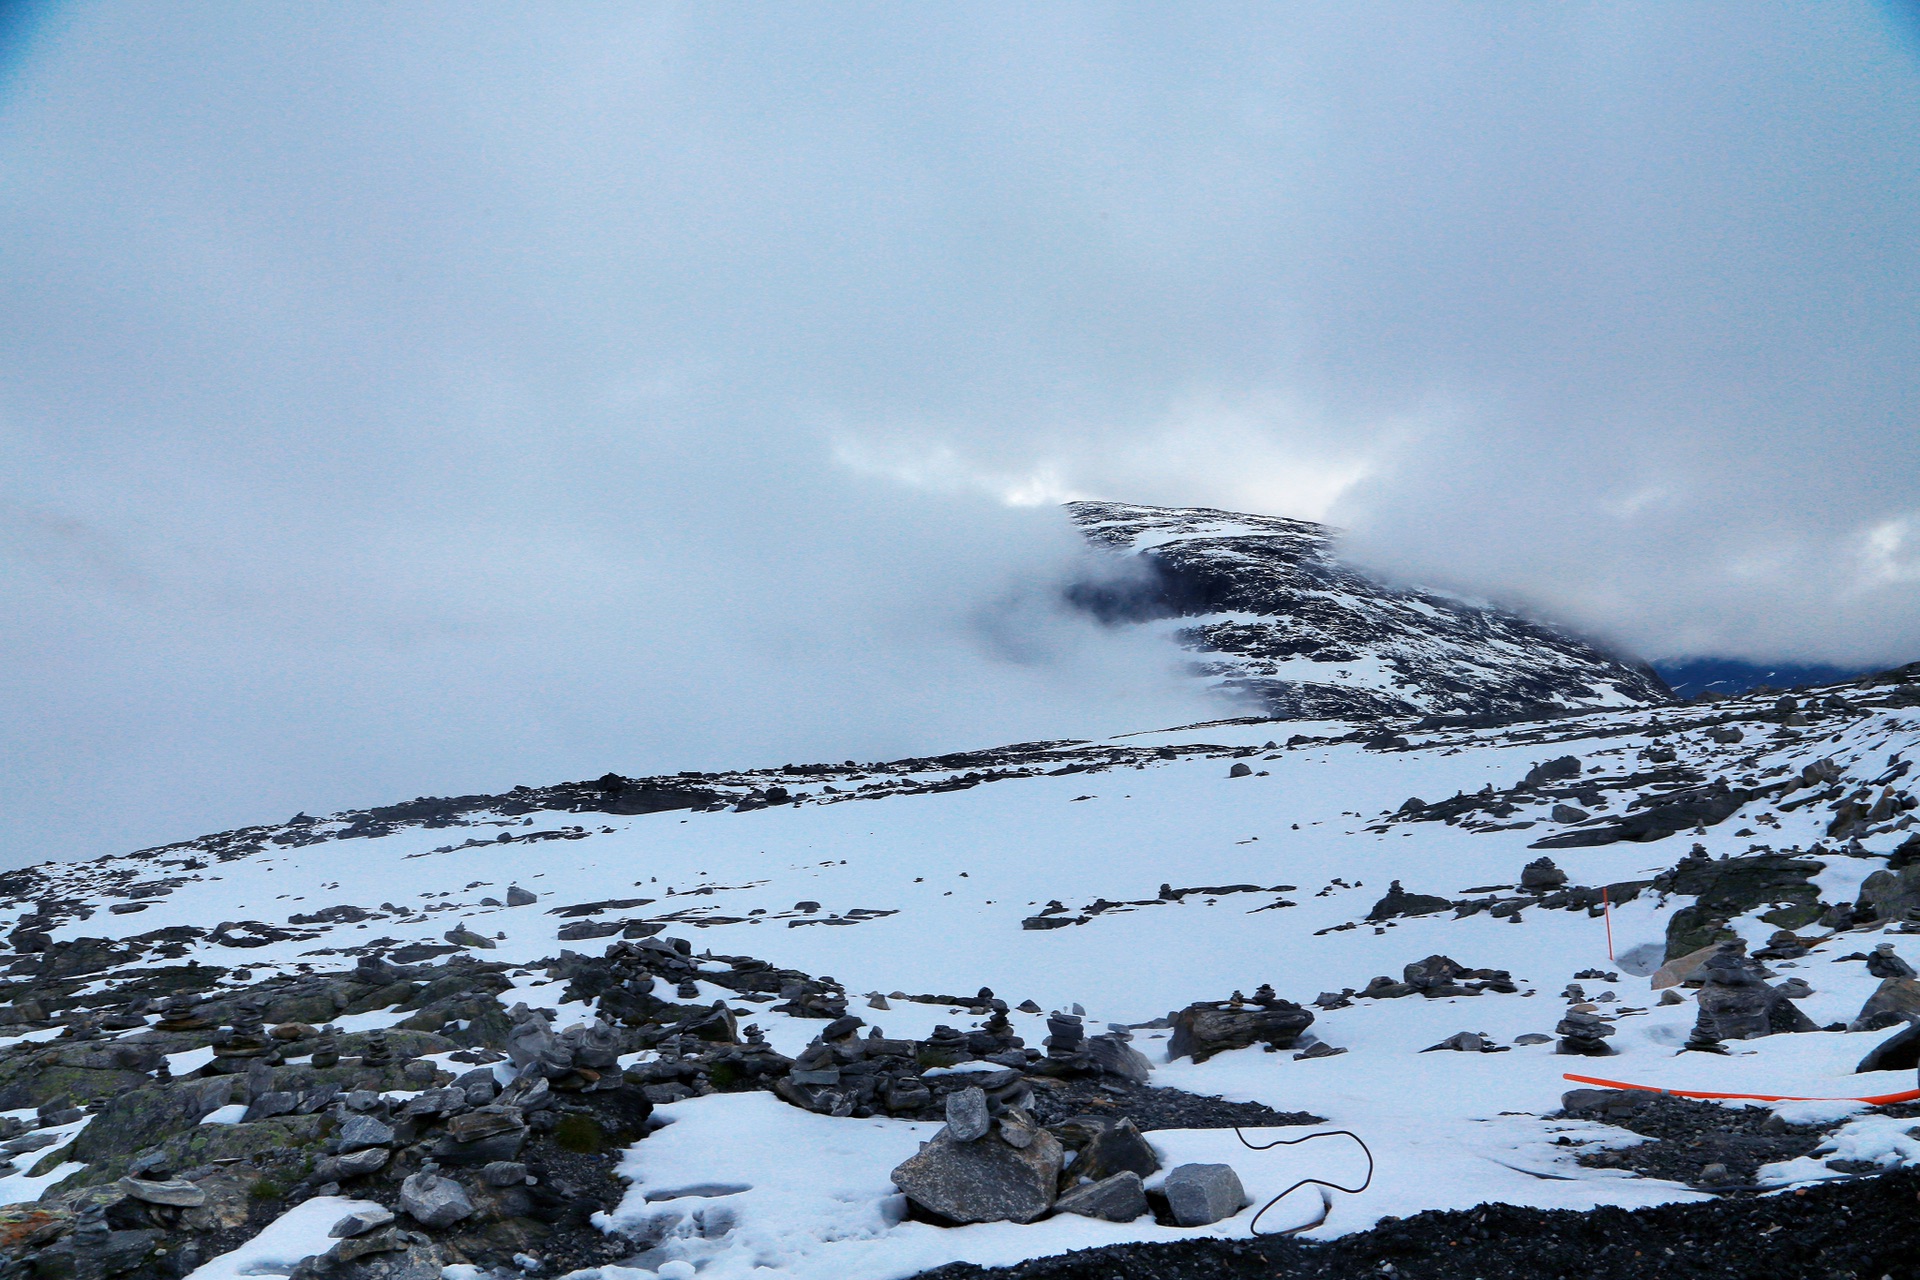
[(1583, 1033)]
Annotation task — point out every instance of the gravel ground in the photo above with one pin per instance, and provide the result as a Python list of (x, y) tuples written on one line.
[(1150, 1107), (1855, 1229)]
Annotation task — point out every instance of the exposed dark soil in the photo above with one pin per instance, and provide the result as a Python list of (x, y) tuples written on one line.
[(1856, 1229), (1689, 1136), (1150, 1107)]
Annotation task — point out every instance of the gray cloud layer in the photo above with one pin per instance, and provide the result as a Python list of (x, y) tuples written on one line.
[(411, 399)]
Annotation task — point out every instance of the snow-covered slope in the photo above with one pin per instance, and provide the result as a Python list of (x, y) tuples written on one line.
[(1284, 623), (1131, 877)]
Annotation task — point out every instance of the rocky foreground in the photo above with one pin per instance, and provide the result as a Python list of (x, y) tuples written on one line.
[(1859, 1231), (424, 1041)]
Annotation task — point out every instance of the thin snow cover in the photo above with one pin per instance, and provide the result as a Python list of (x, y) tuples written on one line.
[(1876, 1140), (298, 1233), (232, 1113)]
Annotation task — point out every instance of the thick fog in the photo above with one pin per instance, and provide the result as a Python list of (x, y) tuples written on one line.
[(414, 399)]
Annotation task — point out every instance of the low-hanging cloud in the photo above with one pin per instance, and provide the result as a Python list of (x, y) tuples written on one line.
[(410, 399)]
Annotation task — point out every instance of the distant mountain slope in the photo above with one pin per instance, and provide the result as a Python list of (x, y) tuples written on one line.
[(1729, 677), (1281, 620)]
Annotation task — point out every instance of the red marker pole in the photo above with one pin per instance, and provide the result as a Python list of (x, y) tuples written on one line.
[(1606, 909)]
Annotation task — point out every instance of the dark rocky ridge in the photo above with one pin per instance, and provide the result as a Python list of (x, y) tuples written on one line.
[(1284, 624)]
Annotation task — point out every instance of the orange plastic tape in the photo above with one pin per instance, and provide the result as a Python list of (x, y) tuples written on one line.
[(1878, 1100)]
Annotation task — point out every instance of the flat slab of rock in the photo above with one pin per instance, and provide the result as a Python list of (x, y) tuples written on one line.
[(172, 1191), (1202, 1193), (1120, 1198), (361, 1221), (983, 1181)]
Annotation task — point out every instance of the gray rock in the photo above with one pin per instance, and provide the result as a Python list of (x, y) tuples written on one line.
[(1116, 1148), (144, 1118), (175, 1192), (518, 897), (364, 1131), (1898, 1052), (356, 1164), (1202, 1193), (434, 1201), (504, 1173), (1461, 1042), (1202, 1030), (1886, 963), (1115, 1057), (1894, 1001), (1119, 1198), (461, 936), (530, 1039), (1569, 813), (967, 1115), (983, 1181), (1017, 1130), (1240, 770), (435, 1102), (1541, 874), (273, 1102), (1736, 1002), (356, 1246), (361, 1221)]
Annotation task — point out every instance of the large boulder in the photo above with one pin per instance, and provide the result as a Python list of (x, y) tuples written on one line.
[(1202, 1193), (1726, 888), (1202, 1030), (142, 1118), (434, 1201), (1115, 1148), (1674, 812), (1890, 895), (1894, 1001), (1541, 875), (1898, 1052), (987, 1180)]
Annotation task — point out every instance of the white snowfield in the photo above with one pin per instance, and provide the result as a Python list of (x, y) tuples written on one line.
[(749, 1183)]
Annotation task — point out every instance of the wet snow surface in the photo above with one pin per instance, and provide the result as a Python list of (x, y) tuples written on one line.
[(1178, 883)]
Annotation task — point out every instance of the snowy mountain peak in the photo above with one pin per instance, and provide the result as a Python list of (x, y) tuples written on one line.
[(1283, 623)]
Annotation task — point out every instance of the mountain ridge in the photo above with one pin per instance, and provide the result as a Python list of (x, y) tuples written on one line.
[(1283, 624)]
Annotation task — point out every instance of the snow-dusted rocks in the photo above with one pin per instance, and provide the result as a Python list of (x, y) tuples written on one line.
[(1283, 623)]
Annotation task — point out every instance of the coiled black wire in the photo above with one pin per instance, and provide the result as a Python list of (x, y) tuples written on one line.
[(1254, 1226)]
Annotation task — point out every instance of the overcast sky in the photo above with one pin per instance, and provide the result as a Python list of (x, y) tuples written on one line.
[(411, 399)]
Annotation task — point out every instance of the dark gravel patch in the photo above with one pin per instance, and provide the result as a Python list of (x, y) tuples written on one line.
[(1855, 1229), (1689, 1136), (1152, 1107)]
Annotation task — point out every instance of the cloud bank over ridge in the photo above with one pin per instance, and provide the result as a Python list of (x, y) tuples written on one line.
[(440, 398)]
